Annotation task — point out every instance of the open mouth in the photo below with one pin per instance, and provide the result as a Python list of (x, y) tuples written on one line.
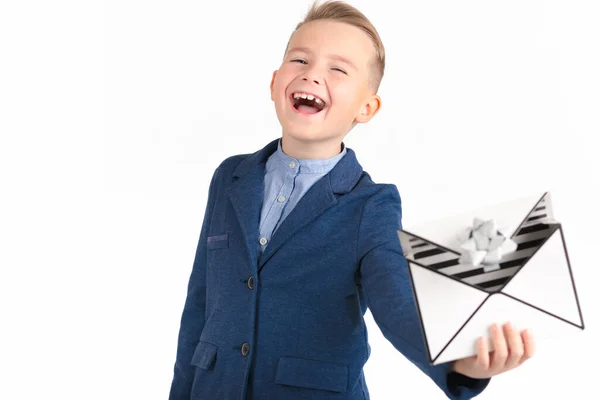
[(307, 103)]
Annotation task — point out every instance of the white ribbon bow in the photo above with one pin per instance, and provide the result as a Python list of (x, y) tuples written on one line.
[(484, 244)]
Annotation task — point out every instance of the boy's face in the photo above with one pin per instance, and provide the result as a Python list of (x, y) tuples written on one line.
[(331, 61)]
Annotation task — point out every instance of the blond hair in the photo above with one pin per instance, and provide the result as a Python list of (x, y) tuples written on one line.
[(343, 12)]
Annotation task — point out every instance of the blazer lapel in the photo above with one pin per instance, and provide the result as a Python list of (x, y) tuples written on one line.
[(246, 194), (314, 202)]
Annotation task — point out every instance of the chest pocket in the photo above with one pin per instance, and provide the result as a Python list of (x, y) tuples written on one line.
[(218, 241)]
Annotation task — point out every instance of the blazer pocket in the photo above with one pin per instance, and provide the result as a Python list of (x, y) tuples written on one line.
[(204, 355), (218, 241), (312, 374)]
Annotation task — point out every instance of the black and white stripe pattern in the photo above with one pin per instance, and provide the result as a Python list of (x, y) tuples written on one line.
[(531, 234), (540, 214)]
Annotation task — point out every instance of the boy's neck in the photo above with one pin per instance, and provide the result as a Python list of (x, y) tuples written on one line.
[(310, 150)]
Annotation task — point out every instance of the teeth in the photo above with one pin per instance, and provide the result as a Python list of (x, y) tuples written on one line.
[(308, 97)]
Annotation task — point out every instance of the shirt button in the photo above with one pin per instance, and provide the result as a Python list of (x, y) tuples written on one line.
[(251, 282), (245, 349), (281, 199), (292, 164), (263, 241)]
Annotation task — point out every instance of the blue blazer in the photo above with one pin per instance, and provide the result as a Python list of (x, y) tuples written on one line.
[(290, 324)]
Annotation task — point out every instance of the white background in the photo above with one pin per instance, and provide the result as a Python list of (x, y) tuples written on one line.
[(114, 115)]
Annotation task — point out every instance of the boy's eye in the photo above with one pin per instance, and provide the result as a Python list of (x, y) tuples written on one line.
[(299, 61), (340, 70)]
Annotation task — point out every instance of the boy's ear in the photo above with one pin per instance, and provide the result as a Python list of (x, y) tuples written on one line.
[(273, 83), (369, 110)]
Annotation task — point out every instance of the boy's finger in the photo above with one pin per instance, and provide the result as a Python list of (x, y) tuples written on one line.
[(515, 346), (500, 349), (528, 345), (483, 354)]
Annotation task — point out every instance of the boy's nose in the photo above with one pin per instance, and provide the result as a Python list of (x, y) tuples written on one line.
[(315, 80)]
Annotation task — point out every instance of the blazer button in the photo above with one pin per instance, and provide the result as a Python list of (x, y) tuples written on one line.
[(245, 349), (251, 282)]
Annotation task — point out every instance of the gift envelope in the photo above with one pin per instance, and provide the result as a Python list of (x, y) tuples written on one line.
[(505, 263)]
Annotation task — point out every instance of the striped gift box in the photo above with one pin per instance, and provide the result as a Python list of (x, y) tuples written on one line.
[(457, 302)]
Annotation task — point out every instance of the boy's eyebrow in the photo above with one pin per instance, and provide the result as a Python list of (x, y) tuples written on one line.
[(332, 56)]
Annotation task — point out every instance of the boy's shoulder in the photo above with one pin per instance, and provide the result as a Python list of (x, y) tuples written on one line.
[(228, 166), (233, 161)]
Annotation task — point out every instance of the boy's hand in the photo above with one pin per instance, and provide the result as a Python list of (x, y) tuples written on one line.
[(511, 349)]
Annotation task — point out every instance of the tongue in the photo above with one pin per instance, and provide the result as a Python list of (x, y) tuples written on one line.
[(308, 109)]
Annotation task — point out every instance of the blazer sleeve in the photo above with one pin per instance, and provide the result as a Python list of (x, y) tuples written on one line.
[(193, 317), (388, 290)]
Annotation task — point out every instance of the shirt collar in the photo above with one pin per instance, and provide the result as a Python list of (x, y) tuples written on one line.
[(308, 166)]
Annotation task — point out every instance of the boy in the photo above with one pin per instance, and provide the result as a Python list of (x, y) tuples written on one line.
[(297, 241)]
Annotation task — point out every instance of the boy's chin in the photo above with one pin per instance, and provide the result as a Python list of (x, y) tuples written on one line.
[(303, 132), (295, 123)]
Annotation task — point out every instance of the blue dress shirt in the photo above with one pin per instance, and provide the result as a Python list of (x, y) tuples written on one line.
[(287, 179)]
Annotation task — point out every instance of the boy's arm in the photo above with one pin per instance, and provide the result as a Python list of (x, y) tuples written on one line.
[(192, 319), (387, 286)]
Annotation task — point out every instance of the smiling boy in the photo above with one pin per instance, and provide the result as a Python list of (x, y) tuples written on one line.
[(337, 64), (297, 242)]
